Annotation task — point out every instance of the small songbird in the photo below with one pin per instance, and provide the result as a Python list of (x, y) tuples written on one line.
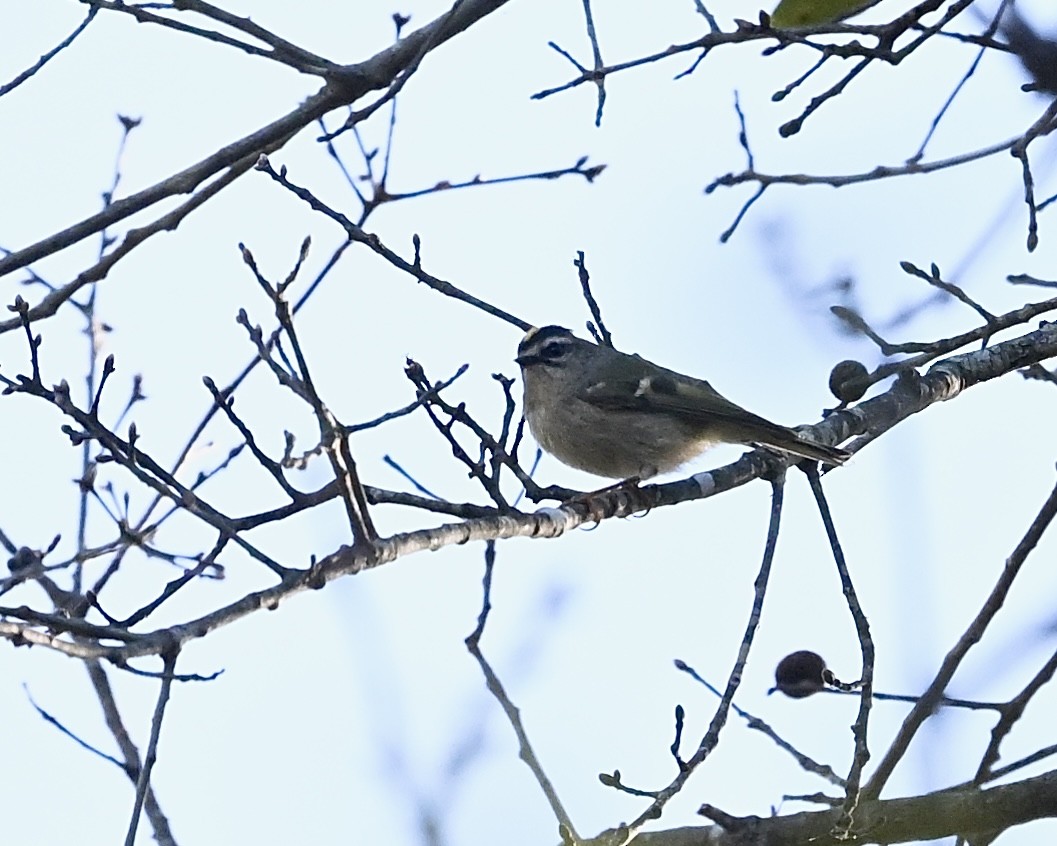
[(622, 417)]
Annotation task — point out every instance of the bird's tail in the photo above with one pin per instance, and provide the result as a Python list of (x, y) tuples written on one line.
[(789, 440)]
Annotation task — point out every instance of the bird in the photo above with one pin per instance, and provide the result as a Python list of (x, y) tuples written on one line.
[(620, 416)]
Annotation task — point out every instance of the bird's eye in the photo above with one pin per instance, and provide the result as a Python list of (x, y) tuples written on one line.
[(553, 351)]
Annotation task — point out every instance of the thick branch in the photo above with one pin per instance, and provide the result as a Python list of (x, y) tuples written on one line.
[(929, 817)]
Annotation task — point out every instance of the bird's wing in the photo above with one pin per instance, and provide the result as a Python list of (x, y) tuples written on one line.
[(693, 400)]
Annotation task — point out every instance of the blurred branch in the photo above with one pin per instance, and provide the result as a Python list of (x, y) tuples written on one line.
[(1037, 54)]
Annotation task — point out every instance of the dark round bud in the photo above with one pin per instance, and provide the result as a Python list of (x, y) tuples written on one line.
[(847, 380), (23, 559), (800, 674)]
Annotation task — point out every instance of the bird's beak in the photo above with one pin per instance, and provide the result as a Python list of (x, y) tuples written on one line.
[(525, 359)]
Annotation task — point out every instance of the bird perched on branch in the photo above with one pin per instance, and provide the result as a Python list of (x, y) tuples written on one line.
[(622, 417)]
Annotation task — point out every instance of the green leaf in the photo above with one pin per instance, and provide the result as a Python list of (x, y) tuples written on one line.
[(796, 13)]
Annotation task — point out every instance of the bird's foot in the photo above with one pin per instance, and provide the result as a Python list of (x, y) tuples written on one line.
[(600, 504)]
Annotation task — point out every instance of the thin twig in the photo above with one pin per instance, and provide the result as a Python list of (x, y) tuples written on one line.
[(495, 687), (603, 335), (710, 739), (372, 241), (972, 634), (600, 79), (805, 761), (84, 744), (51, 54), (1010, 713), (151, 757), (159, 822), (355, 81), (866, 646)]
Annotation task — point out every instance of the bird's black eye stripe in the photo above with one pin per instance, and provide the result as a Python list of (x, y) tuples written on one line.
[(553, 351), (548, 345)]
